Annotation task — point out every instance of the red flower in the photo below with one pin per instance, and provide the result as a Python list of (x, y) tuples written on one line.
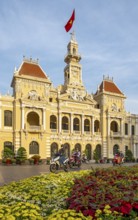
[(88, 212), (135, 206), (125, 208)]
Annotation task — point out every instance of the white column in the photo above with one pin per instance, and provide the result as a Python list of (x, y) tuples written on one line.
[(130, 128), (71, 123), (121, 129), (0, 118), (134, 150), (22, 117), (136, 133), (59, 122), (82, 124), (92, 125), (108, 129), (44, 118)]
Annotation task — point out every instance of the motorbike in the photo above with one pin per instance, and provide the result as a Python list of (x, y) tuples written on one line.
[(117, 160), (84, 159), (56, 164), (74, 161)]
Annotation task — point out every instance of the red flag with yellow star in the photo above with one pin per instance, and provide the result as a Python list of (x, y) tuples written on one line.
[(69, 24)]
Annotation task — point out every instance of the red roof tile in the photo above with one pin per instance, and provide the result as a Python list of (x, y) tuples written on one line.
[(109, 86), (32, 69)]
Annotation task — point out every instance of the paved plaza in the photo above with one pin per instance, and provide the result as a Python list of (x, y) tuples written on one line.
[(18, 172)]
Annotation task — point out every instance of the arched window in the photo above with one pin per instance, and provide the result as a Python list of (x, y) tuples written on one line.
[(54, 149), (9, 145), (126, 148), (96, 126), (133, 130), (86, 125), (65, 123), (33, 119), (74, 51), (126, 129), (114, 126), (98, 151), (77, 147), (53, 122), (34, 148), (115, 149), (76, 124), (67, 149), (8, 118), (88, 150)]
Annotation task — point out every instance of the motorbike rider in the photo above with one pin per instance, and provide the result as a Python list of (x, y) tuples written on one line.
[(122, 156), (61, 153), (77, 155)]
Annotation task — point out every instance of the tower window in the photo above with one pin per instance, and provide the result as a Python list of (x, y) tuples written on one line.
[(74, 51)]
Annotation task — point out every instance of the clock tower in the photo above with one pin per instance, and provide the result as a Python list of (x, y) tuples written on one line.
[(73, 69)]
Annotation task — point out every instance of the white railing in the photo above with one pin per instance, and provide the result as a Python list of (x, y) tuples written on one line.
[(65, 131), (76, 132), (35, 127), (53, 130)]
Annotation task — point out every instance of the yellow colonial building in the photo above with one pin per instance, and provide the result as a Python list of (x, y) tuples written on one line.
[(41, 118)]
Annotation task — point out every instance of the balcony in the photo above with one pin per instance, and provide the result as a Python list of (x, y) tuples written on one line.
[(97, 133), (65, 131), (115, 134), (54, 130), (34, 128), (87, 132), (76, 132)]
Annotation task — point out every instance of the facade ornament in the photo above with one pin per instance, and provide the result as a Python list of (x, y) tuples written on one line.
[(114, 107), (32, 95), (75, 96)]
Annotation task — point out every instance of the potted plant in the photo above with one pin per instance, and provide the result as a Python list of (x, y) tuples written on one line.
[(13, 161), (48, 160), (36, 158), (31, 161), (21, 155), (8, 161)]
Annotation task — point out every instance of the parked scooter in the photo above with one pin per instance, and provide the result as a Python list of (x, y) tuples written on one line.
[(74, 160), (84, 159), (56, 164), (117, 160)]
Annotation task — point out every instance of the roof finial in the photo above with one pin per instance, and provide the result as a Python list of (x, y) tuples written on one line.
[(73, 37)]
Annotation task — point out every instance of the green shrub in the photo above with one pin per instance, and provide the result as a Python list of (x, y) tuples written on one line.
[(21, 155), (7, 153), (129, 156)]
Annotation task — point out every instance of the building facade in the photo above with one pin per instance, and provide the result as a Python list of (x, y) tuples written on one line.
[(41, 118)]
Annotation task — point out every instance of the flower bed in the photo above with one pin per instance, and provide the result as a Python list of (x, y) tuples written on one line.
[(101, 194)]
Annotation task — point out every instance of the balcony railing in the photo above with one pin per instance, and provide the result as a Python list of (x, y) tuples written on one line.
[(53, 130), (35, 127), (116, 134), (65, 131), (76, 132), (97, 133)]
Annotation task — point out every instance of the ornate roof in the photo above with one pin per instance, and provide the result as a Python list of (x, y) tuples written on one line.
[(31, 69), (108, 85)]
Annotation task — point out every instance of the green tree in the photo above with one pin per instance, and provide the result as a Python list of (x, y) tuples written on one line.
[(129, 156), (96, 155), (21, 154), (7, 153)]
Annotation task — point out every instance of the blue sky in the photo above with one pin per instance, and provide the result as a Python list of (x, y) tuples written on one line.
[(106, 31)]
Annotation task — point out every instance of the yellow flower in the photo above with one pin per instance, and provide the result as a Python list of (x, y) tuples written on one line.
[(107, 207), (65, 215), (70, 218)]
